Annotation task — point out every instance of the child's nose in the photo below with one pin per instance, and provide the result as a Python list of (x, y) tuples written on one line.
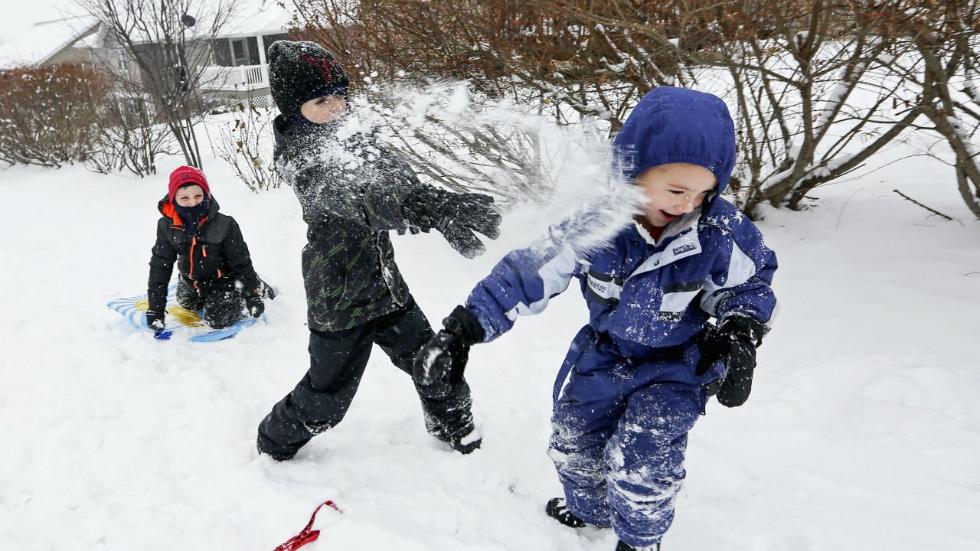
[(687, 205)]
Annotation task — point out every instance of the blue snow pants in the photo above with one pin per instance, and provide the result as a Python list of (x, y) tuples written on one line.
[(619, 433)]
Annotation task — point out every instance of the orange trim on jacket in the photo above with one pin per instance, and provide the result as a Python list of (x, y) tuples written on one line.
[(170, 212)]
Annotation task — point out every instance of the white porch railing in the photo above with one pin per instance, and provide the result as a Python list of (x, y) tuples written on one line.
[(241, 77)]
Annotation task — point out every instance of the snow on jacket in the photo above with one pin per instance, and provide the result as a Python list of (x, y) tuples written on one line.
[(647, 294), (352, 191)]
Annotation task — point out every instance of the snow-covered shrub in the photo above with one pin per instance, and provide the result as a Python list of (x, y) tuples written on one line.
[(246, 144), (941, 74), (49, 115), (129, 137)]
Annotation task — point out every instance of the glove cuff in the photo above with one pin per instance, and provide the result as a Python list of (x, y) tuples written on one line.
[(743, 327), (464, 324)]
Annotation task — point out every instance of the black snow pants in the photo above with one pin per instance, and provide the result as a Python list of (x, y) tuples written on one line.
[(337, 361), (221, 300)]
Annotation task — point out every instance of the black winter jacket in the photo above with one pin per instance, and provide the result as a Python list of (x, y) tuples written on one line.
[(217, 251), (352, 191)]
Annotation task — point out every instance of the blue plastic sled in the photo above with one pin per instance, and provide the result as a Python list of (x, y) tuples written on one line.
[(179, 320)]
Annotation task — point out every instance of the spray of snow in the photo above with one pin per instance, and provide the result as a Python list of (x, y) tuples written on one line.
[(565, 186), (597, 220)]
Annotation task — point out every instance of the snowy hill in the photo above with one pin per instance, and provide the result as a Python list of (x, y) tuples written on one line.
[(863, 431)]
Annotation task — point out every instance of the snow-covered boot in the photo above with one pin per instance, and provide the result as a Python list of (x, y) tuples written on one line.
[(627, 547), (467, 443), (470, 440), (557, 510)]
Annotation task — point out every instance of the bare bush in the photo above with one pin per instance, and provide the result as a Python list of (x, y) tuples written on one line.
[(940, 72), (49, 116), (528, 51), (805, 78), (246, 144), (129, 138)]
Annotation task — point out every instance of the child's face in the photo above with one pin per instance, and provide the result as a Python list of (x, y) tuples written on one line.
[(189, 196), (674, 189), (323, 109)]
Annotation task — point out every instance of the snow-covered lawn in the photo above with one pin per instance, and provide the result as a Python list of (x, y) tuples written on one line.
[(863, 431)]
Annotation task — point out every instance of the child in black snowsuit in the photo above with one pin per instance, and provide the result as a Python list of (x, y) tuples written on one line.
[(215, 269), (353, 191)]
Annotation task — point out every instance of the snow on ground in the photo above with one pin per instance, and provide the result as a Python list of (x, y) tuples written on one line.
[(863, 431)]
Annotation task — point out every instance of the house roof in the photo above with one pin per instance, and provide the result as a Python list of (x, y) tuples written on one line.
[(33, 44), (255, 17), (39, 42)]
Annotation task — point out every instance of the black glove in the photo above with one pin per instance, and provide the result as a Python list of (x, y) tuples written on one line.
[(464, 214), (154, 320), (440, 363), (734, 341), (254, 304), (456, 215), (266, 291)]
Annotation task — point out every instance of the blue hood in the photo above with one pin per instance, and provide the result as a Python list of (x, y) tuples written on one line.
[(676, 125)]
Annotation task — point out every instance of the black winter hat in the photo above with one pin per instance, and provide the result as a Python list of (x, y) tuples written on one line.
[(301, 71)]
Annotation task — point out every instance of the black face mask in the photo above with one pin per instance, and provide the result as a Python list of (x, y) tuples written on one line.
[(192, 215)]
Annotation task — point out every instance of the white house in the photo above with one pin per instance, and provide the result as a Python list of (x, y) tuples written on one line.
[(236, 65), (238, 55), (65, 39)]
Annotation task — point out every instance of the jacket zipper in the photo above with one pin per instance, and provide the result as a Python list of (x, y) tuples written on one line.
[(190, 275), (193, 245)]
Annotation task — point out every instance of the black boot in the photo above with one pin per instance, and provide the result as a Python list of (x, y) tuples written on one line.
[(627, 547), (469, 442), (270, 448), (557, 510)]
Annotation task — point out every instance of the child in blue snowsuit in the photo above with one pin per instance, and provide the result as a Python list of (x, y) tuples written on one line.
[(638, 374)]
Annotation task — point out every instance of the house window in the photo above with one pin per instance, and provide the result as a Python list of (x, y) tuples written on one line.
[(244, 51), (122, 61), (239, 51)]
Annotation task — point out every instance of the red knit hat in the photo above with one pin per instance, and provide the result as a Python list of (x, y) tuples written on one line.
[(186, 176)]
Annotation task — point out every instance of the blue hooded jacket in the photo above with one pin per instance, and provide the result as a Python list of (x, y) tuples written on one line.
[(647, 293)]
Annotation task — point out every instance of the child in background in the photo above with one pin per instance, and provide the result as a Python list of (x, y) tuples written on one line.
[(354, 191), (215, 269), (639, 373)]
